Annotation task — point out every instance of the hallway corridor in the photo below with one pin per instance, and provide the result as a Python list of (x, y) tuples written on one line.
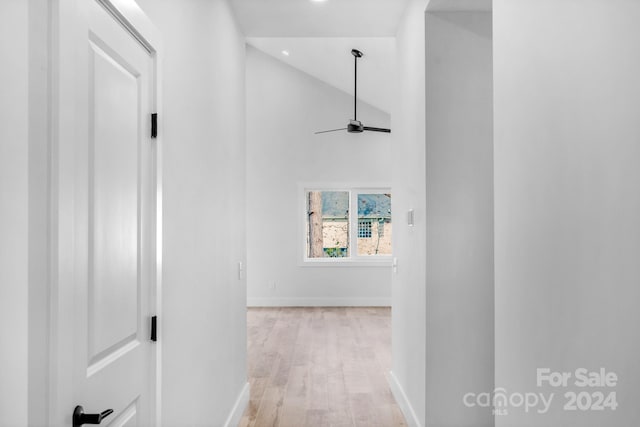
[(320, 366)]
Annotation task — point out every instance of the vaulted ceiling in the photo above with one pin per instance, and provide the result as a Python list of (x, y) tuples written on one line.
[(319, 35)]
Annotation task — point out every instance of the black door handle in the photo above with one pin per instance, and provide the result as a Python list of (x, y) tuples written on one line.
[(80, 418)]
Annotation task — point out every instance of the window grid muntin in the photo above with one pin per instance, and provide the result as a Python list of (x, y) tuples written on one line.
[(364, 228)]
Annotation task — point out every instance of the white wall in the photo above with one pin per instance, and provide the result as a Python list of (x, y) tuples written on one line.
[(14, 213), (408, 166), (284, 109), (567, 200), (204, 322), (459, 262)]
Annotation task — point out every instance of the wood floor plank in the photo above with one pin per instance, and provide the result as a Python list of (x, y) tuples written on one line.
[(270, 411), (316, 418), (320, 367), (294, 412)]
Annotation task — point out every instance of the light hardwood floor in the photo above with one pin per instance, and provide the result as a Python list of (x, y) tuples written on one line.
[(320, 367)]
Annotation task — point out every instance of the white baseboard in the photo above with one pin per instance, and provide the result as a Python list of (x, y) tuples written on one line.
[(403, 402), (319, 302), (238, 408)]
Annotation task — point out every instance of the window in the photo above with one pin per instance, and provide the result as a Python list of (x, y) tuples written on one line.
[(374, 215), (364, 228), (333, 217), (327, 224)]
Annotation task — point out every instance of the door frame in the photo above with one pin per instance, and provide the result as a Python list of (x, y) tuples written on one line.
[(64, 29)]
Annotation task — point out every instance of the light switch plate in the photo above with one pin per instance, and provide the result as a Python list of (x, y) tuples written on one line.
[(240, 270)]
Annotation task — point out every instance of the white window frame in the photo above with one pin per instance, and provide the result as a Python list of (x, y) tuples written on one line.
[(353, 260)]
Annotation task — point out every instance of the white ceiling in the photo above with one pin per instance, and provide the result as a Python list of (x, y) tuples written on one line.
[(460, 5), (330, 18), (319, 38), (330, 60)]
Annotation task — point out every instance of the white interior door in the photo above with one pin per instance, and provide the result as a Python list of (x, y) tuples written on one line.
[(112, 254)]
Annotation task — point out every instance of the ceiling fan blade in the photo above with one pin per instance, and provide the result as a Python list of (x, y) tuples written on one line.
[(376, 129), (332, 130)]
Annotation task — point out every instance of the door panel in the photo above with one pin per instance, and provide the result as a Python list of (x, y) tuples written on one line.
[(128, 417), (114, 277)]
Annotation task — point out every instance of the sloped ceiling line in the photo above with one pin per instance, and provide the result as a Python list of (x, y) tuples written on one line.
[(330, 60)]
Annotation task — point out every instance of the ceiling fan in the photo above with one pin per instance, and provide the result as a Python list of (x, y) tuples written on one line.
[(355, 125)]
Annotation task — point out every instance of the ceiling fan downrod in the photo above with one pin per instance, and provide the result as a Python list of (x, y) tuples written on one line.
[(356, 54)]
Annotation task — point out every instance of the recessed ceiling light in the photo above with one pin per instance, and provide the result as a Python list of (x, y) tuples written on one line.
[(285, 52), (318, 1)]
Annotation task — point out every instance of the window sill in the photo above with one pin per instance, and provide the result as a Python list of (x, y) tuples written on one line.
[(337, 262)]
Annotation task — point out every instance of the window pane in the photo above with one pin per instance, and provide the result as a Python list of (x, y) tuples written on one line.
[(364, 228), (374, 224), (327, 224)]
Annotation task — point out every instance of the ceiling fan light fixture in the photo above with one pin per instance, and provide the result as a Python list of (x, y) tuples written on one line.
[(355, 126)]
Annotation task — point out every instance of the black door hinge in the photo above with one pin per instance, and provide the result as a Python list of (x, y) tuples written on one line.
[(154, 125), (154, 328)]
